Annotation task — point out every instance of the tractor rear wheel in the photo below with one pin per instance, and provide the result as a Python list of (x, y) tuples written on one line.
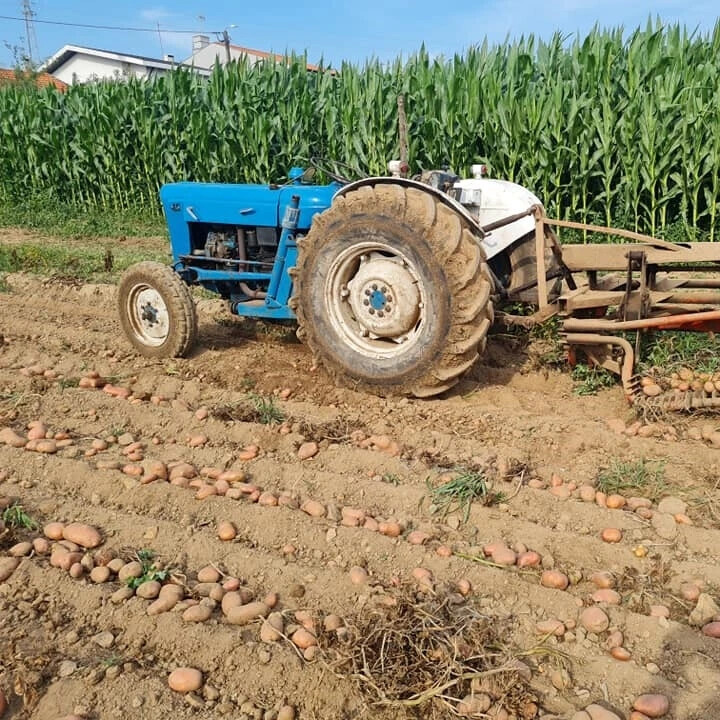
[(157, 312), (521, 271), (392, 292)]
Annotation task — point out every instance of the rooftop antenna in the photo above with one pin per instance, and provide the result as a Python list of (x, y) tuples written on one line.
[(30, 37), (162, 49)]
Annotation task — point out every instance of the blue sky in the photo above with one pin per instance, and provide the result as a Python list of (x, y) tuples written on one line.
[(334, 30)]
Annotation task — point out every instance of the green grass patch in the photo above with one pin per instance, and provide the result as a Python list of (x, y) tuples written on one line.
[(462, 491), (91, 263), (45, 214), (642, 477), (4, 287), (672, 350), (268, 413), (591, 379), (15, 517)]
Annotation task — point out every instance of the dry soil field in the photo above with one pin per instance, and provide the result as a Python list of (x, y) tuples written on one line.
[(335, 532)]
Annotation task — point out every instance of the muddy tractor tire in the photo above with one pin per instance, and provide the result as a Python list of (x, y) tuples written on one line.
[(392, 292), (157, 312), (520, 269)]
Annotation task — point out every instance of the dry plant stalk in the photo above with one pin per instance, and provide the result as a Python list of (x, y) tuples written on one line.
[(429, 653)]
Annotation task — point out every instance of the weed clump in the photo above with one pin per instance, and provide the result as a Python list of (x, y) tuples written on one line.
[(590, 379), (435, 655), (639, 476), (15, 516), (459, 493)]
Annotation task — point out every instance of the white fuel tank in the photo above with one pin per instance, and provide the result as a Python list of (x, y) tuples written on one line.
[(489, 200)]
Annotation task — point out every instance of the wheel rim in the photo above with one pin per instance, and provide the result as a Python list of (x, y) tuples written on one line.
[(148, 315), (376, 300)]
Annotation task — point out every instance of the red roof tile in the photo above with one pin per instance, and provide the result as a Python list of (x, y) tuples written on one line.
[(42, 80)]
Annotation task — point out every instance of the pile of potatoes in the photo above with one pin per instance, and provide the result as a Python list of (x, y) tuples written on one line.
[(683, 380), (37, 439)]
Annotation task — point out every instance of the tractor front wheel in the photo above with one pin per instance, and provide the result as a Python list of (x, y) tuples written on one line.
[(157, 312), (392, 292)]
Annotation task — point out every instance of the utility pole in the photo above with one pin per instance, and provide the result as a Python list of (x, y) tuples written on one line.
[(162, 49), (30, 38), (226, 42)]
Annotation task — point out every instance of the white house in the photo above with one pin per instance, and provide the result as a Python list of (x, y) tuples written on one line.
[(206, 53), (75, 64)]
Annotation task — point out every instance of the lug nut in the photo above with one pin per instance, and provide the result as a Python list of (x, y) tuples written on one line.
[(372, 311), (366, 302)]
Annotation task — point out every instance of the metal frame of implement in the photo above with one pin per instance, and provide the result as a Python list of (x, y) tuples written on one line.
[(646, 284)]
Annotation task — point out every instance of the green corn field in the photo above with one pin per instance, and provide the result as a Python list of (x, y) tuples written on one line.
[(616, 128)]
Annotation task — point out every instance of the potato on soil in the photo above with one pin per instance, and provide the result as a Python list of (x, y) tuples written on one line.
[(652, 705), (390, 529), (504, 556), (529, 559), (611, 535), (554, 579), (712, 630), (594, 620), (303, 639), (602, 579), (307, 450), (313, 508), (208, 574), (550, 627), (272, 627), (226, 531), (100, 574), (8, 567), (148, 590), (245, 614), (41, 546), (20, 549), (54, 531), (185, 680), (166, 601), (125, 593), (9, 437), (197, 613), (358, 575), (130, 570), (84, 535), (607, 596), (332, 622)]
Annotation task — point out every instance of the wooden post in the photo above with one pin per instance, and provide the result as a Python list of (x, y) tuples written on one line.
[(402, 131), (540, 257)]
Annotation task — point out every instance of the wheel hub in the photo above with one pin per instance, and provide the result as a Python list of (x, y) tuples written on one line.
[(152, 315), (384, 297)]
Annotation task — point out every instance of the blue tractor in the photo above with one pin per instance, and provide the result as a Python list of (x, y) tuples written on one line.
[(391, 280)]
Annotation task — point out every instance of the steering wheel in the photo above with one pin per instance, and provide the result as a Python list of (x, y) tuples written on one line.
[(337, 178)]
